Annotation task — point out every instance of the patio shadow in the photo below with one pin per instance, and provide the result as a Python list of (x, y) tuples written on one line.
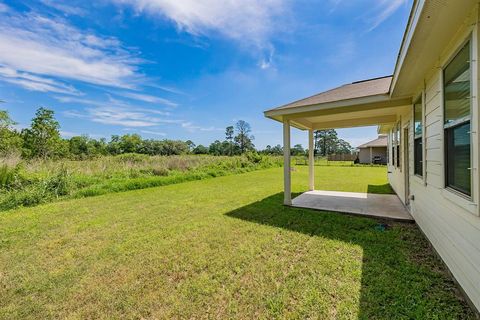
[(401, 277)]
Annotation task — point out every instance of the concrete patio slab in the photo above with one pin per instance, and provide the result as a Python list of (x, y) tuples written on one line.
[(385, 206)]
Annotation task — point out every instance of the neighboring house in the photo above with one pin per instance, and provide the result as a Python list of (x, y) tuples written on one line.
[(430, 110), (374, 151)]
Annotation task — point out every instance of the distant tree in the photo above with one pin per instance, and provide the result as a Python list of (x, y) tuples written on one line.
[(327, 142), (131, 143), (113, 146), (190, 145), (78, 147), (43, 139), (243, 139), (200, 149), (276, 150), (10, 139), (218, 148), (229, 132), (297, 150), (343, 147), (82, 147)]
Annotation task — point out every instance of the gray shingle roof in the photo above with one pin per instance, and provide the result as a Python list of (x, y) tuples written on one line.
[(353, 90), (381, 141)]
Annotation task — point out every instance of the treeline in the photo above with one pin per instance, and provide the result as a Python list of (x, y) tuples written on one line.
[(43, 139)]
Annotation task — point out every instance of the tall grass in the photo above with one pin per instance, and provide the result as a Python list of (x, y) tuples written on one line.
[(28, 183)]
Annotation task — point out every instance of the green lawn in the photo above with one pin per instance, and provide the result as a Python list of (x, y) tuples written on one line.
[(219, 248)]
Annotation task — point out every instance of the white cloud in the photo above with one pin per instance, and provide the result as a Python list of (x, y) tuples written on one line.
[(65, 8), (116, 112), (246, 20), (35, 83), (147, 98), (156, 133), (249, 22), (193, 128), (31, 44)]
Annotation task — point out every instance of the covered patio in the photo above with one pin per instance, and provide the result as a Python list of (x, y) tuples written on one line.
[(362, 103)]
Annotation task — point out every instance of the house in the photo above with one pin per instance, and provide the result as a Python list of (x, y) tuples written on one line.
[(429, 109), (374, 151)]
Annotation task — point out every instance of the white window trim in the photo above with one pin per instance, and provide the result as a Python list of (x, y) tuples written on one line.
[(469, 203), (421, 179)]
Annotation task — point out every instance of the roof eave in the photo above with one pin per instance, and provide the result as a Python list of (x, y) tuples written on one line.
[(413, 19), (285, 112)]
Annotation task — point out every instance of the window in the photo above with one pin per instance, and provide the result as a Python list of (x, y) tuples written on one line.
[(393, 146), (456, 86), (398, 139), (418, 133)]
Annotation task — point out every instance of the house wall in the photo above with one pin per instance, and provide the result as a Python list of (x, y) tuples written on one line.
[(365, 156), (450, 221)]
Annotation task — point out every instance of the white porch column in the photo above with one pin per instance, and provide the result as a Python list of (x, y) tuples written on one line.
[(287, 198), (311, 161)]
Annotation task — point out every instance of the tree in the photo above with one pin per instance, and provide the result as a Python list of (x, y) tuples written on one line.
[(113, 147), (229, 137), (43, 139), (297, 150), (131, 143), (243, 138), (82, 147), (219, 148), (200, 149), (11, 141), (327, 142), (190, 145)]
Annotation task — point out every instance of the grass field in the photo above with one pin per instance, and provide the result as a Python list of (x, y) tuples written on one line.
[(36, 181), (218, 248)]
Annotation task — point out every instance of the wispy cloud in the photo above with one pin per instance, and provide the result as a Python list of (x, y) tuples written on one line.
[(193, 128), (155, 133), (377, 10), (65, 8), (384, 10), (147, 98), (47, 48), (118, 112), (245, 20), (249, 22), (35, 83)]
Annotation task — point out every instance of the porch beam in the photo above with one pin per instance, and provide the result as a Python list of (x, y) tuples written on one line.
[(311, 161), (287, 184), (355, 122)]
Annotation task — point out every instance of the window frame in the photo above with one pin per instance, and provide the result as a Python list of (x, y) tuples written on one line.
[(398, 139), (420, 137), (447, 128)]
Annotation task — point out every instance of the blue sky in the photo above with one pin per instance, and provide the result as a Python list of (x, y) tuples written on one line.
[(187, 69)]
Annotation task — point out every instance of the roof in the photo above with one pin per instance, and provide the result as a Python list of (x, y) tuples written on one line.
[(359, 89), (381, 141)]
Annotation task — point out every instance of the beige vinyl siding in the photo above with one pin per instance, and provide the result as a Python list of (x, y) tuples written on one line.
[(450, 222)]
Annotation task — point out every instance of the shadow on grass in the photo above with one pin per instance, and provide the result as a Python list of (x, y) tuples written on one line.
[(401, 277), (380, 189)]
